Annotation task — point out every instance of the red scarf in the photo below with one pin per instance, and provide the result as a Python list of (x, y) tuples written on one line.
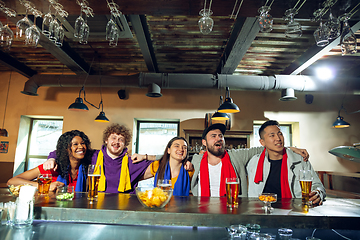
[(285, 189), (227, 171)]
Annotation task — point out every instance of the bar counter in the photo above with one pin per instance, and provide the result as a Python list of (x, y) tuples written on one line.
[(125, 209)]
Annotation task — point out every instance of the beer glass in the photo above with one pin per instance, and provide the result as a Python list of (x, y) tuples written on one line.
[(232, 192), (44, 181), (164, 184), (305, 179), (94, 173)]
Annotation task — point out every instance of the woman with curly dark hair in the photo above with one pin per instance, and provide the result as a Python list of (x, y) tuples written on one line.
[(73, 155)]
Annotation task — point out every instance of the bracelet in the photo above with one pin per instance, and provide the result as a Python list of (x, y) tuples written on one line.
[(146, 157)]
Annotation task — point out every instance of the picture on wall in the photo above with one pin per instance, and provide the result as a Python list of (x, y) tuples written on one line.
[(209, 121)]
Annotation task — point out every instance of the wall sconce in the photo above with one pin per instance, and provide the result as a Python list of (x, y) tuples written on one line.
[(3, 131), (220, 115), (154, 90), (228, 106)]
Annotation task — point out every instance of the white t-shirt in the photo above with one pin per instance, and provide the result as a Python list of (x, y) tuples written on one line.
[(215, 176)]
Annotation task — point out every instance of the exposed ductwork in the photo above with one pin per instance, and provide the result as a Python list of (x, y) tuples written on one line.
[(193, 81)]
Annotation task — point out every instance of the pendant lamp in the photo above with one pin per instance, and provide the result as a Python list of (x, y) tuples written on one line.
[(101, 117), (220, 115), (340, 123), (78, 105), (228, 106)]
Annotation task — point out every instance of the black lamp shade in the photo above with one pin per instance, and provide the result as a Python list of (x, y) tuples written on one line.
[(101, 118), (78, 105), (228, 107), (220, 116), (340, 123), (3, 132)]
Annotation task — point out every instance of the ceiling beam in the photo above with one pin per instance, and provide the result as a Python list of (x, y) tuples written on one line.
[(15, 65), (313, 54), (243, 34), (139, 25)]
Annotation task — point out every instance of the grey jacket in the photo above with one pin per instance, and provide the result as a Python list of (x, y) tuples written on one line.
[(295, 163), (238, 158)]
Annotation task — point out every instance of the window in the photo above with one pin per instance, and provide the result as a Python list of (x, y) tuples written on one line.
[(43, 137), (285, 129), (153, 136)]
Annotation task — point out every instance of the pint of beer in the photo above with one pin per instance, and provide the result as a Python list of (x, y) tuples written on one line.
[(305, 179), (232, 192), (44, 181), (94, 173)]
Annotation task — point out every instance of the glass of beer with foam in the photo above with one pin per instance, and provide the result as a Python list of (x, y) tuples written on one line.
[(94, 173), (232, 192), (305, 179), (44, 181)]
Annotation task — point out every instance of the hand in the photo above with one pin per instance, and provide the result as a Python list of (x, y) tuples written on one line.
[(189, 166), (50, 164), (315, 198), (137, 157), (301, 152), (55, 185)]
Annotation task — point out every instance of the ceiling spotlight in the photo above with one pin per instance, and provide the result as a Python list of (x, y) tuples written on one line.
[(154, 90), (324, 73), (288, 94)]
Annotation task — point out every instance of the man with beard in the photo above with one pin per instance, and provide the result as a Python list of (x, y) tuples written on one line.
[(120, 174), (276, 169), (217, 164)]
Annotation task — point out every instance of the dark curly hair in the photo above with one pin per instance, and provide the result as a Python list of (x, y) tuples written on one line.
[(166, 157), (118, 129), (62, 152)]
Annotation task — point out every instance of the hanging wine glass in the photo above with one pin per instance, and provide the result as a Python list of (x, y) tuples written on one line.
[(348, 39), (321, 35), (109, 27), (205, 23), (84, 32), (32, 34), (293, 29), (333, 25), (22, 25), (54, 30), (60, 36), (6, 37), (46, 23), (114, 36), (265, 19), (78, 24)]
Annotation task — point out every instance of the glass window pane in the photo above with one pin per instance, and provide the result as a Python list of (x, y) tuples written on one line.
[(44, 136), (153, 137), (34, 162)]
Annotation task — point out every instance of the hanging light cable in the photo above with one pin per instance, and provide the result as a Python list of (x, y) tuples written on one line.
[(3, 131), (101, 117)]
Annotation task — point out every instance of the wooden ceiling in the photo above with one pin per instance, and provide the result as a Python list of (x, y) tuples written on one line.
[(166, 39)]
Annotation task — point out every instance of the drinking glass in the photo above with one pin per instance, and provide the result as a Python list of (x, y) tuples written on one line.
[(260, 236), (6, 37), (232, 192), (285, 233), (164, 184), (333, 25), (265, 19), (60, 36), (268, 198), (44, 181), (32, 35), (347, 40), (79, 22), (321, 35), (251, 229), (54, 30), (205, 23), (112, 32), (94, 173), (45, 29), (305, 179), (21, 26), (293, 29), (84, 32), (237, 231)]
